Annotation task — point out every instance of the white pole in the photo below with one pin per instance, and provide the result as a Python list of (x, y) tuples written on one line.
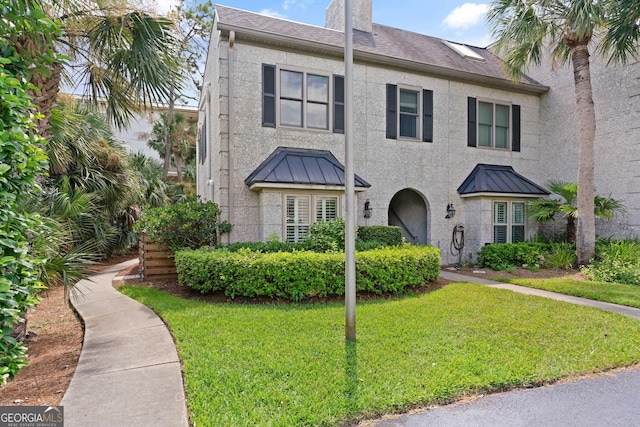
[(349, 178)]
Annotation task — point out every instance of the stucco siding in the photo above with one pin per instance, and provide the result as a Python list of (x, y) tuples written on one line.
[(432, 169), (616, 92)]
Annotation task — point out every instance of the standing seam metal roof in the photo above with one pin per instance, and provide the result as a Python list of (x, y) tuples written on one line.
[(499, 179), (301, 166)]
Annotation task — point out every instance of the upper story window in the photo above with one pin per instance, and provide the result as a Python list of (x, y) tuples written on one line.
[(409, 113), (493, 125), (302, 99)]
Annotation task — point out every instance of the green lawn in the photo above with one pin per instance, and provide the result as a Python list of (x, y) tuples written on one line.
[(616, 293), (288, 365)]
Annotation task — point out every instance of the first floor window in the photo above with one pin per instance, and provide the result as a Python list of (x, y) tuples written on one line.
[(508, 222), (299, 215)]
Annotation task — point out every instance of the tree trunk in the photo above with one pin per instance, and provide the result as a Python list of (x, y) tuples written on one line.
[(586, 233), (168, 146), (48, 86), (176, 160)]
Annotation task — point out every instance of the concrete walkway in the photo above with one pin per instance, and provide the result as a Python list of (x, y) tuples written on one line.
[(611, 399), (629, 311), (128, 373)]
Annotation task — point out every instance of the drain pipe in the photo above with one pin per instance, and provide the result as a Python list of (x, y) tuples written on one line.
[(205, 106), (232, 130)]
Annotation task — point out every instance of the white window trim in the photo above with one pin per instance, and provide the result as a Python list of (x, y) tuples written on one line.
[(509, 224), (419, 129), (305, 72), (493, 126), (312, 210)]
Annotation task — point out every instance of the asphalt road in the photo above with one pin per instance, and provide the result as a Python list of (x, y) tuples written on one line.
[(611, 400)]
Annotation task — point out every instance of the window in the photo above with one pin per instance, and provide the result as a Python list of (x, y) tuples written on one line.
[(508, 222), (299, 217), (301, 99), (493, 125), (409, 113)]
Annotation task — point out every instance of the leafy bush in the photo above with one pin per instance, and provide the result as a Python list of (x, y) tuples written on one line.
[(21, 161), (326, 236), (183, 225), (499, 256), (616, 261), (561, 255), (391, 235), (301, 274)]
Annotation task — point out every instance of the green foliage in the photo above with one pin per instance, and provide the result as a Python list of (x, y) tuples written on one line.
[(301, 274), (561, 255), (616, 261), (544, 209), (500, 256), (391, 235), (326, 236), (286, 364), (21, 161), (183, 225)]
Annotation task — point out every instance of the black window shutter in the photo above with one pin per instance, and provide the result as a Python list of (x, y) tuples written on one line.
[(268, 95), (471, 122), (427, 115), (338, 104), (392, 108), (515, 127)]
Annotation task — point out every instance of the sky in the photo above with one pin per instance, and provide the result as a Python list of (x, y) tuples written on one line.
[(452, 20)]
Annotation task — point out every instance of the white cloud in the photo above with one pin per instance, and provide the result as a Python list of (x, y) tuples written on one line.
[(465, 16), (161, 7), (286, 4), (272, 13)]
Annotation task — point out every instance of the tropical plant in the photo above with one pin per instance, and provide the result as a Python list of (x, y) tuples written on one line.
[(123, 56), (182, 137), (21, 162), (193, 27), (544, 209), (570, 29)]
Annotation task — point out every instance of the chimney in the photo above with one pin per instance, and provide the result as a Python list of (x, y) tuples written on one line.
[(362, 15)]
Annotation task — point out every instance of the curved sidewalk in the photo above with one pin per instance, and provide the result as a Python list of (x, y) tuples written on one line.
[(128, 373)]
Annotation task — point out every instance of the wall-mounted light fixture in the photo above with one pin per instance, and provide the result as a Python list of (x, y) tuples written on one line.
[(367, 209), (451, 211)]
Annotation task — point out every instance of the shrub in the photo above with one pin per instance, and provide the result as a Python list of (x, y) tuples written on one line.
[(301, 274), (326, 236), (561, 255), (499, 256), (616, 261), (390, 235), (183, 225)]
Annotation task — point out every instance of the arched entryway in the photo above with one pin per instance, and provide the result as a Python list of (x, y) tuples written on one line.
[(409, 211)]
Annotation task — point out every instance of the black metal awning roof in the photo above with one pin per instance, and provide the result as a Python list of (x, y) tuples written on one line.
[(300, 166), (498, 179)]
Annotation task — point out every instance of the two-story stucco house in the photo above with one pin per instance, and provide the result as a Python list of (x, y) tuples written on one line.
[(436, 125)]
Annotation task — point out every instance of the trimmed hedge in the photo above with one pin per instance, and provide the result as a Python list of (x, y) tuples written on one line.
[(389, 234), (299, 275)]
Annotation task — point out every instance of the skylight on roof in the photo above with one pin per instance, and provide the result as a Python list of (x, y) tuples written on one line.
[(464, 51)]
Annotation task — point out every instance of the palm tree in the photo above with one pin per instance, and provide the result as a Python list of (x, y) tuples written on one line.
[(182, 137), (523, 29), (123, 56), (543, 210)]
